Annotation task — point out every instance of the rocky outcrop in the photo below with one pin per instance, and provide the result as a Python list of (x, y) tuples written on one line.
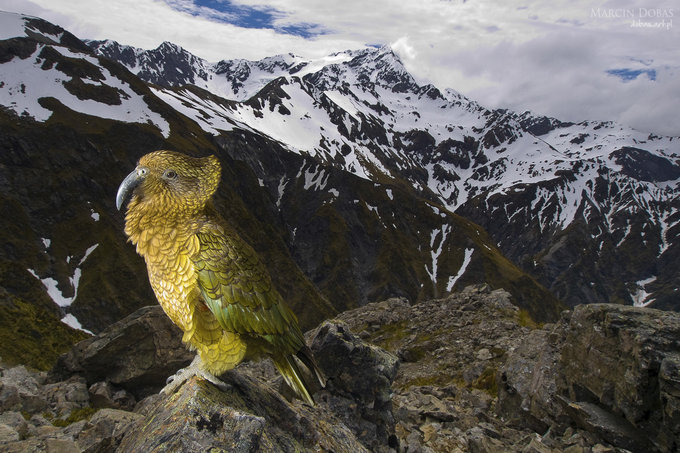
[(83, 404), (610, 370), (136, 354), (250, 416), (467, 373)]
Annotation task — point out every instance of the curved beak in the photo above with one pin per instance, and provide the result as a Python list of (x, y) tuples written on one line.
[(128, 186)]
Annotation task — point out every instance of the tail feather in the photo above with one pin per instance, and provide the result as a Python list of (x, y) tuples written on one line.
[(293, 377), (306, 357)]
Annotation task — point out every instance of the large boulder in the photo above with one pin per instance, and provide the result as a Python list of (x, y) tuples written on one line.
[(247, 417), (353, 413), (137, 354), (527, 383), (610, 370), (623, 360), (359, 384)]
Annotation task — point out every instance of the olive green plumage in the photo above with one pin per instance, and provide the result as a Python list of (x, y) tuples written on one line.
[(207, 279)]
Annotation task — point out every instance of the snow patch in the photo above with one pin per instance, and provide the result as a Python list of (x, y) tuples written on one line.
[(640, 296), (281, 189), (71, 321), (315, 180), (12, 25), (212, 117), (51, 285), (318, 64), (25, 83), (454, 278), (343, 102), (435, 253)]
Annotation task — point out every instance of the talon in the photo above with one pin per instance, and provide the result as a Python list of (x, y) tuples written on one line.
[(174, 382)]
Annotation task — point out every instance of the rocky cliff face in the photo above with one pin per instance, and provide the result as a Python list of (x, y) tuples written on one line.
[(468, 373)]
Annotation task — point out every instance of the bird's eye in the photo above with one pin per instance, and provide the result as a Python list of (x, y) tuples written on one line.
[(170, 174)]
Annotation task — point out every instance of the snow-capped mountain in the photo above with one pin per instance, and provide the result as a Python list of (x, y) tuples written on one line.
[(591, 209), (338, 225), (343, 172)]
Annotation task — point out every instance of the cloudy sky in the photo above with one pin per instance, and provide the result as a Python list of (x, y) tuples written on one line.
[(571, 59)]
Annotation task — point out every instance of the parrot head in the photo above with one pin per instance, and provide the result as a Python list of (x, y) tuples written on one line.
[(167, 180)]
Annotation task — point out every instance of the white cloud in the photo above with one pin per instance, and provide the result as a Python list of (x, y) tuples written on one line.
[(548, 57), (402, 47)]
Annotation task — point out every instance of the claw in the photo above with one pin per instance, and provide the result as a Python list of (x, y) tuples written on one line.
[(174, 382)]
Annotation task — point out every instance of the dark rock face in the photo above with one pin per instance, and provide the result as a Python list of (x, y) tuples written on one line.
[(612, 358), (137, 353), (359, 242), (645, 166), (357, 372), (248, 417), (608, 369)]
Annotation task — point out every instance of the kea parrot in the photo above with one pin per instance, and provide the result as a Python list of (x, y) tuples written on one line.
[(208, 280)]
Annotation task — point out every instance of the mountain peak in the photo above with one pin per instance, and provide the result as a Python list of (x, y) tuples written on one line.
[(167, 46)]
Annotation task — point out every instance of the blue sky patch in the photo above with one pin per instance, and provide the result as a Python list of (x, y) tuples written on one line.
[(244, 16), (627, 74)]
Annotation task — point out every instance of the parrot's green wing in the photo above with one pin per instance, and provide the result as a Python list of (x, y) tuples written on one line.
[(238, 291)]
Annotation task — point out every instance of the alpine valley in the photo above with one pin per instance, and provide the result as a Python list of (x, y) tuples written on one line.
[(353, 182)]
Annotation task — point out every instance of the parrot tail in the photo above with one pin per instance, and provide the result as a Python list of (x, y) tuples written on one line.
[(296, 380), (306, 357)]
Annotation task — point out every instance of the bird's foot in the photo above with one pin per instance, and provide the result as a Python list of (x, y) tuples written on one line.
[(175, 381)]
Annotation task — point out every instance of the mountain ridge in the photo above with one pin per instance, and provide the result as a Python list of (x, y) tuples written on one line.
[(364, 113), (74, 124)]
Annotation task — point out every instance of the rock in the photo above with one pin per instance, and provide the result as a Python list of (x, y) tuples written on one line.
[(137, 354), (536, 446), (353, 412), (471, 379), (15, 421), (669, 391), (105, 429), (8, 434), (20, 391), (61, 446), (103, 395), (249, 416), (608, 426), (479, 442), (358, 388), (450, 350), (64, 397), (430, 431), (526, 391), (612, 358), (484, 354), (39, 420), (43, 431), (145, 406), (610, 370)]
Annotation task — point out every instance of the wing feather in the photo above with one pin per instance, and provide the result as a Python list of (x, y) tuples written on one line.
[(238, 291)]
